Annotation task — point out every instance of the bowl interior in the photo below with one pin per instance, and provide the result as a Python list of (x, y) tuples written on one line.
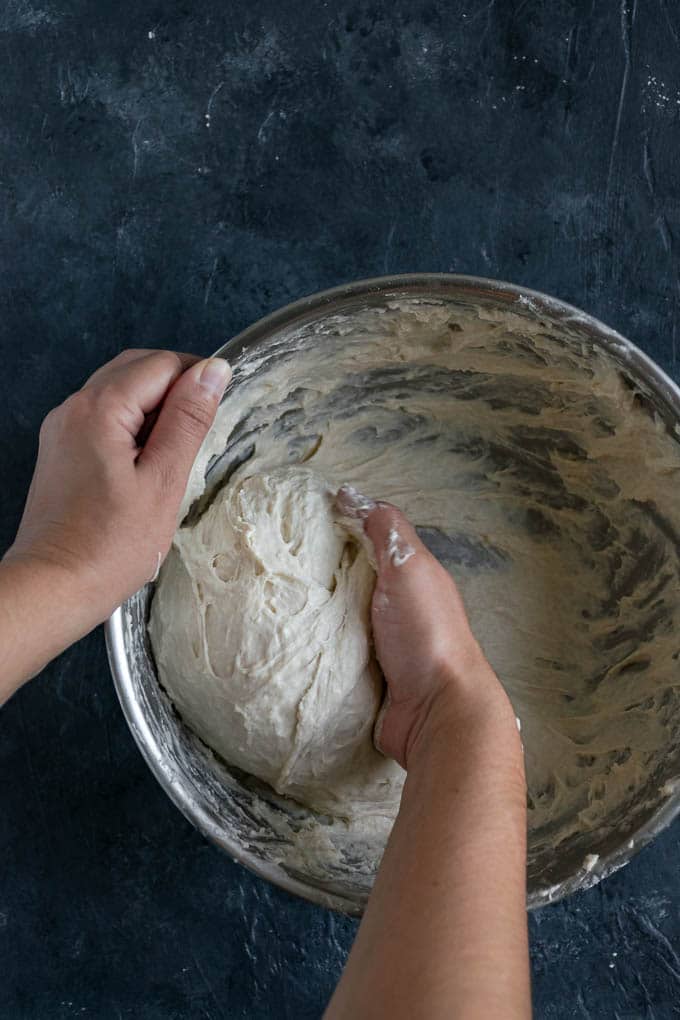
[(315, 856)]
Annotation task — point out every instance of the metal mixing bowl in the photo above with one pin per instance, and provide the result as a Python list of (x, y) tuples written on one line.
[(220, 800)]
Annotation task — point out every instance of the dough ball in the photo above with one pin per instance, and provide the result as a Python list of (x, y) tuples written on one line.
[(260, 626)]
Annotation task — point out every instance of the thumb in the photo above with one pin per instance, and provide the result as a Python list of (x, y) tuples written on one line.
[(183, 422), (394, 539), (402, 562)]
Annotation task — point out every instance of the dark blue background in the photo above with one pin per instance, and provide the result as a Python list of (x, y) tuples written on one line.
[(169, 172)]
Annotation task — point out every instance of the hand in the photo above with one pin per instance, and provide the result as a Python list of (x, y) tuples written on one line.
[(433, 666), (102, 508), (445, 930)]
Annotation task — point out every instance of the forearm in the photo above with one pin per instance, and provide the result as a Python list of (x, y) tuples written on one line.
[(444, 934), (40, 615)]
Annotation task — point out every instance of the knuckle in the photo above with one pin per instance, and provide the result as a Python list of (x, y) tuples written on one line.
[(96, 409), (50, 422), (100, 403), (66, 418), (129, 354), (167, 360), (75, 408)]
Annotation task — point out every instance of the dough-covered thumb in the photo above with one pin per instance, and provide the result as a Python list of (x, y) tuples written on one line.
[(394, 539), (187, 413)]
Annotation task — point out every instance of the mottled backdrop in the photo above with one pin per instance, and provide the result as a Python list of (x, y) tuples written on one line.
[(170, 172)]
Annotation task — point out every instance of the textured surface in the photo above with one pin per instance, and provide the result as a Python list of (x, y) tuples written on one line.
[(170, 172)]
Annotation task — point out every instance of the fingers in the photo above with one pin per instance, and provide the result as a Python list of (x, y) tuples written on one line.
[(126, 393), (133, 385), (112, 368), (184, 419)]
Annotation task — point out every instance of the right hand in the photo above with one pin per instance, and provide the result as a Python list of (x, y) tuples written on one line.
[(433, 666)]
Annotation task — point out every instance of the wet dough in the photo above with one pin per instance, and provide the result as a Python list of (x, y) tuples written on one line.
[(262, 638)]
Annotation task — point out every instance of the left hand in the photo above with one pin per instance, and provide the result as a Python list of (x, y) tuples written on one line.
[(102, 509)]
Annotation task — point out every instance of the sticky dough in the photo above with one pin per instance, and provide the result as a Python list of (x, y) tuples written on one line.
[(534, 470), (262, 637)]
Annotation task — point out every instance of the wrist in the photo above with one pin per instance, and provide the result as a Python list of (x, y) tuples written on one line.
[(40, 615), (469, 714), (477, 754), (27, 571), (76, 586)]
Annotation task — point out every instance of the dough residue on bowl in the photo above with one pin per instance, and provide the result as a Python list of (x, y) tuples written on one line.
[(537, 472)]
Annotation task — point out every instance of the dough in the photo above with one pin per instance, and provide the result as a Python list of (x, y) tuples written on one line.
[(538, 473), (262, 638)]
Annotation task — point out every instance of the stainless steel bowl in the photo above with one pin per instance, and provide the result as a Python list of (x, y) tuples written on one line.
[(219, 800)]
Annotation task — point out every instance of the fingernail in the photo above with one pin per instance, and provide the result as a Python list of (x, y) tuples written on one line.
[(215, 376), (354, 504)]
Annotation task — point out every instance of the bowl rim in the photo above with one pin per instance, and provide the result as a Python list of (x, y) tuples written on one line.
[(385, 288)]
